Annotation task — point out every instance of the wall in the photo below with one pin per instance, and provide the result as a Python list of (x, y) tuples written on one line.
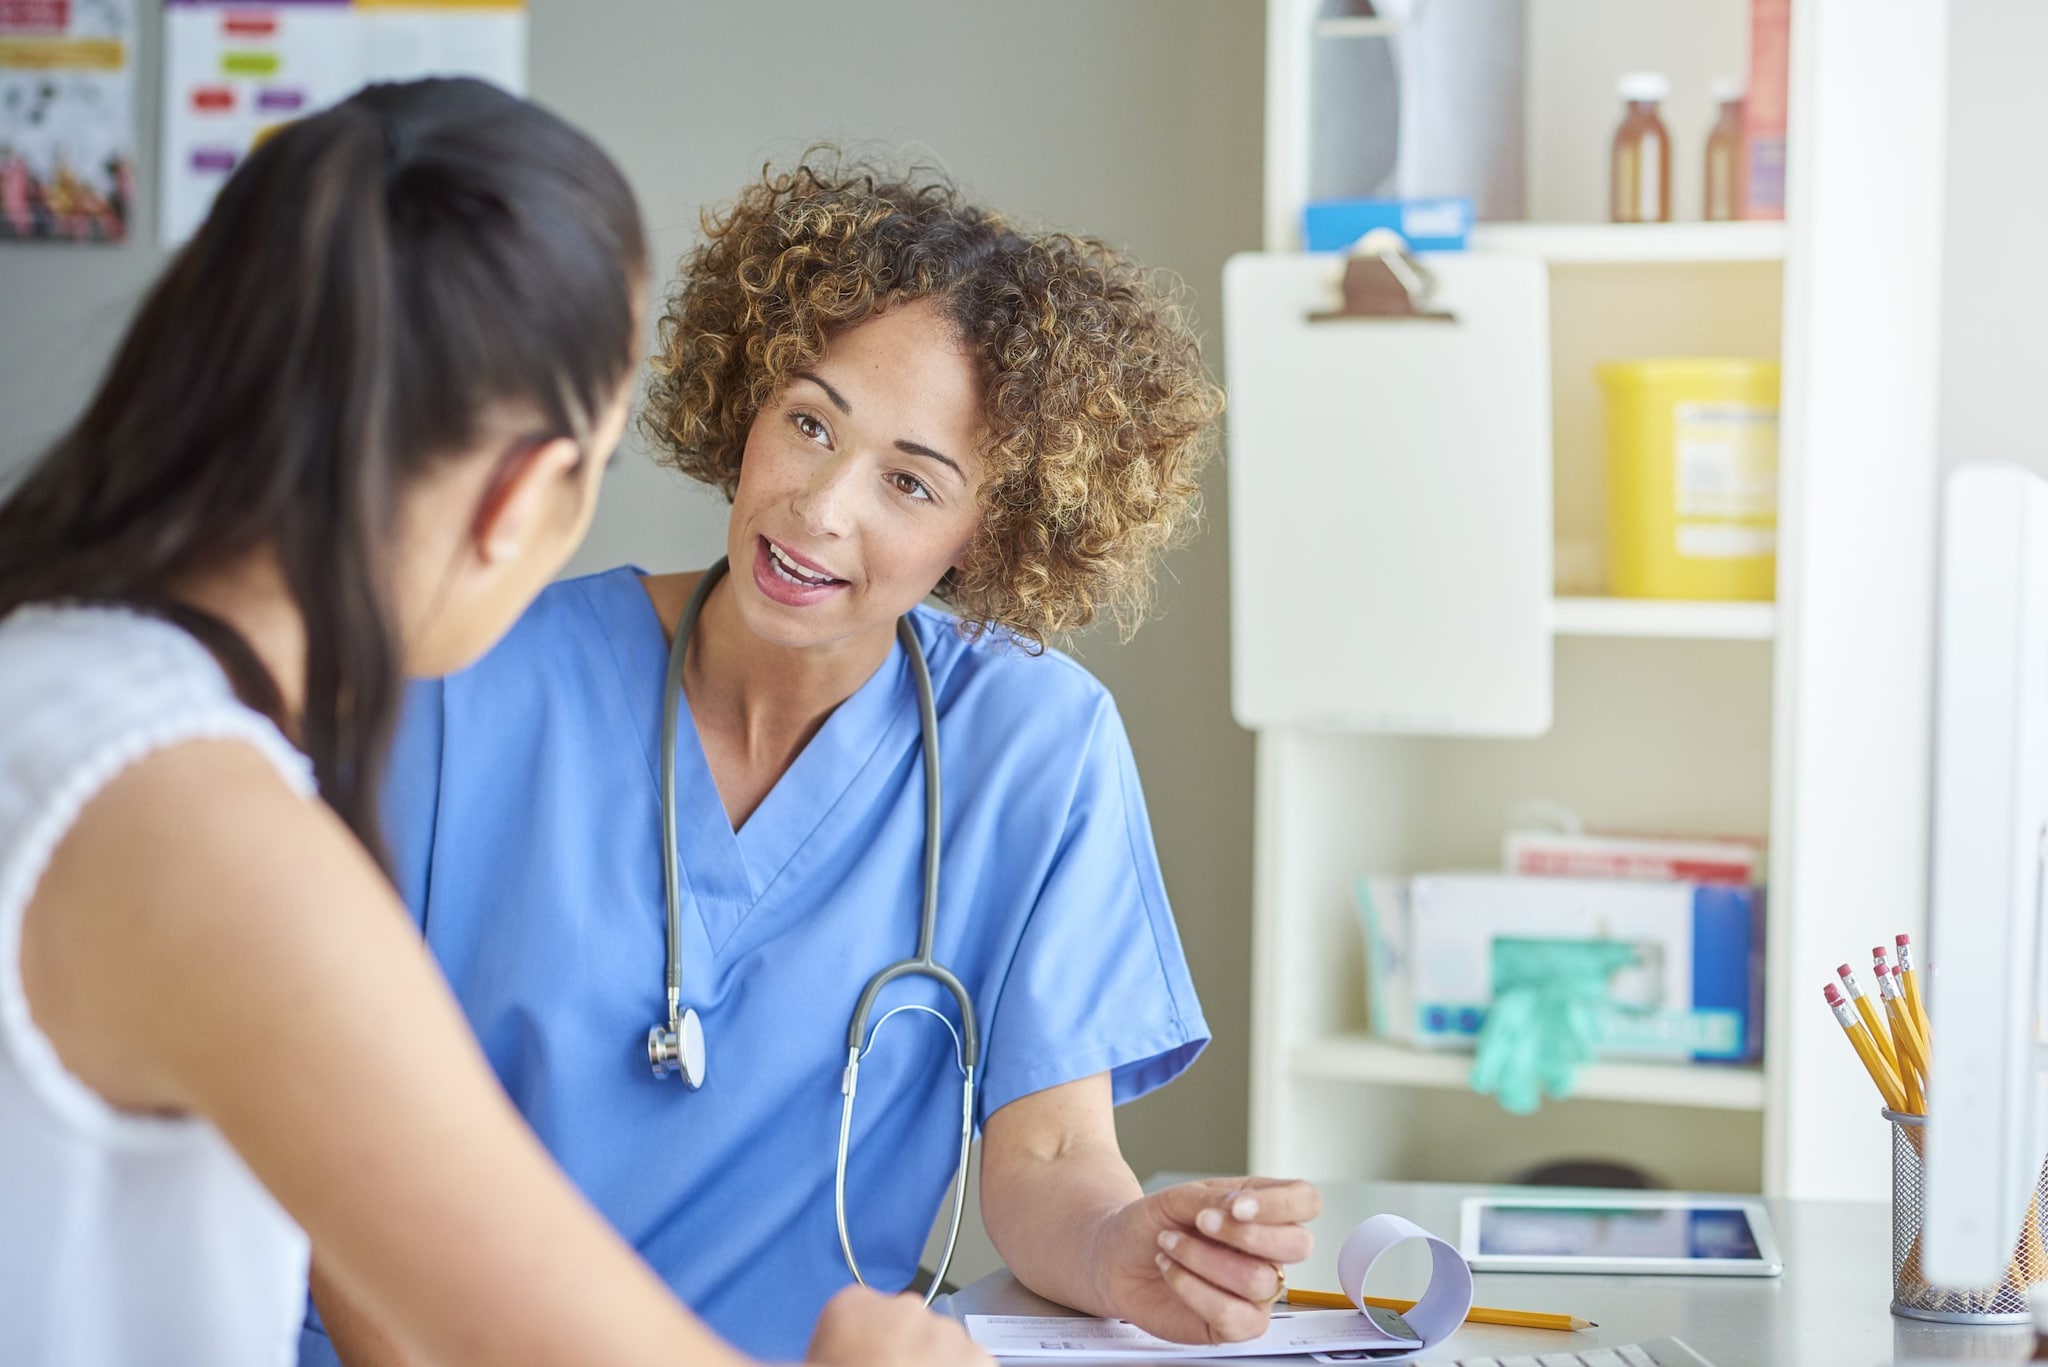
[(1137, 121), (1994, 350)]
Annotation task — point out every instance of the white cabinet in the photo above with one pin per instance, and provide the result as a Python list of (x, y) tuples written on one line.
[(1805, 719)]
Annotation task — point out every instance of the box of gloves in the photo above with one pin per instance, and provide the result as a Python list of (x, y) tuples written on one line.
[(1640, 969)]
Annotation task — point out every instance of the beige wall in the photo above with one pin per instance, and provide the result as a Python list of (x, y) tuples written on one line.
[(1136, 120)]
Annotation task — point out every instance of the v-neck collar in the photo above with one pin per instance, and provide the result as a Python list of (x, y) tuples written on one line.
[(728, 873)]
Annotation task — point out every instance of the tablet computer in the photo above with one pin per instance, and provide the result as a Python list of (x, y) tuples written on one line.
[(1679, 1235)]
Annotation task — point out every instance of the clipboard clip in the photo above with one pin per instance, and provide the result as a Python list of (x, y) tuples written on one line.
[(1383, 279)]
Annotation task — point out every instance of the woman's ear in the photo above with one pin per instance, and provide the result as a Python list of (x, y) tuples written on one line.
[(519, 504)]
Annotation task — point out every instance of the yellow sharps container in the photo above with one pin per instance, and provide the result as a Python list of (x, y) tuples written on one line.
[(1692, 477)]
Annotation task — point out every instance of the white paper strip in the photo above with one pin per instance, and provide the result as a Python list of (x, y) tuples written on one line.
[(1292, 1333)]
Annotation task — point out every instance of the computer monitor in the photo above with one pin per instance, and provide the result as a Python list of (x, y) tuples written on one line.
[(1983, 973)]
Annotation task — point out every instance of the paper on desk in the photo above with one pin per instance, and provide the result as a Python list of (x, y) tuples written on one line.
[(1293, 1333)]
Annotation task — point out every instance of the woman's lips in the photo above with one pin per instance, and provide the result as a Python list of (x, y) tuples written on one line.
[(790, 579)]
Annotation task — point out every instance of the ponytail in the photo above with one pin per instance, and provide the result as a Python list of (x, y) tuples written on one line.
[(371, 284)]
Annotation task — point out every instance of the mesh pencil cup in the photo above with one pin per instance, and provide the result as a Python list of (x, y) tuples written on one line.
[(2004, 1302)]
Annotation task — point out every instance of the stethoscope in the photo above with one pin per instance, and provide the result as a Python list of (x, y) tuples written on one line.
[(678, 1047)]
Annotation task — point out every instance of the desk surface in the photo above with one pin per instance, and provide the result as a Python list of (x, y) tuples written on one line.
[(1829, 1307)]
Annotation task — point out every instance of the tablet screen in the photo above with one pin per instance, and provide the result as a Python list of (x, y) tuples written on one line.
[(1609, 1232)]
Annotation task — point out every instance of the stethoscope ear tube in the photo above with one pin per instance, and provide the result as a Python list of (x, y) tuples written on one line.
[(848, 1085), (967, 1041)]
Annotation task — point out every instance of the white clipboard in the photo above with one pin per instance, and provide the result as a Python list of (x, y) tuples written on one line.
[(1390, 500)]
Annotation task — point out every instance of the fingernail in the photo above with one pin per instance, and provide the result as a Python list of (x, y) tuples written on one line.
[(1163, 1261), (1168, 1239), (1247, 1208), (1209, 1221)]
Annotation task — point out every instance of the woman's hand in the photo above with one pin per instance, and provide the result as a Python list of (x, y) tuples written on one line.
[(863, 1328), (1200, 1262)]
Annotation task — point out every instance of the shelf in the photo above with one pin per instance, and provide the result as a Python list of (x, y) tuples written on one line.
[(1358, 1058), (1634, 243), (1358, 26), (1650, 617)]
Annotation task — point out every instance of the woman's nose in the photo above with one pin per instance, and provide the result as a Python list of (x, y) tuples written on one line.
[(824, 501)]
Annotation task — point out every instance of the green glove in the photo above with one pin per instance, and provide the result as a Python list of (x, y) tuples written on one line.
[(1544, 1021)]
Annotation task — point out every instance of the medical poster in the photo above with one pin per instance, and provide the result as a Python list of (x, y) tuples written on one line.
[(67, 119), (234, 71)]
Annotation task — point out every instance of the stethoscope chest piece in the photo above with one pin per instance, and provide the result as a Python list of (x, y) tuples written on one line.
[(678, 1048)]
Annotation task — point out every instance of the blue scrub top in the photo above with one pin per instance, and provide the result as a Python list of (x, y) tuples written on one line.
[(525, 814)]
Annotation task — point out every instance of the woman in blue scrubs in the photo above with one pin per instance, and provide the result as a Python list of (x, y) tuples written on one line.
[(904, 397)]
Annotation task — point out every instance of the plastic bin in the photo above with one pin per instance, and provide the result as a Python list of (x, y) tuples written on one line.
[(1692, 477)]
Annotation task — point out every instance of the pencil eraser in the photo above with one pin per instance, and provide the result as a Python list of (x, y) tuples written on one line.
[(1844, 971), (1881, 968), (1902, 940), (1878, 952), (1834, 995)]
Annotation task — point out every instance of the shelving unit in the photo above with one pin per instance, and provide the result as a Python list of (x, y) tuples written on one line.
[(1356, 28), (1805, 719), (1621, 244), (1364, 1059), (1652, 619)]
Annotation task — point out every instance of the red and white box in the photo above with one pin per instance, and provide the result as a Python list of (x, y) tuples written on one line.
[(1727, 861)]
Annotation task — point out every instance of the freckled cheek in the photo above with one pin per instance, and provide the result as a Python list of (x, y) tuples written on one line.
[(758, 488)]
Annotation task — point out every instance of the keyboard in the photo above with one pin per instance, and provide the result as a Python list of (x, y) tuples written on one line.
[(1665, 1352)]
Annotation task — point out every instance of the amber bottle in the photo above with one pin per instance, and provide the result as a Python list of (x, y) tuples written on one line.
[(1722, 197), (1640, 185)]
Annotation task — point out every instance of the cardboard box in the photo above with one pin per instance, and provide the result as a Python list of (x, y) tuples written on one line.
[(1765, 106), (1428, 225), (1695, 990)]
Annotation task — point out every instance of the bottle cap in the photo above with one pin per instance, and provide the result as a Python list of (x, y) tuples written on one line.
[(1722, 89), (1644, 85)]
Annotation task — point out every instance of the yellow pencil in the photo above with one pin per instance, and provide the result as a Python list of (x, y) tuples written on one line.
[(1888, 1085), (1905, 1034), (1916, 1097), (1911, 982), (1478, 1314), (1864, 1009)]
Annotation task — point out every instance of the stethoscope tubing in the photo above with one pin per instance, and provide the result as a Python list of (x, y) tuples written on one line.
[(671, 694)]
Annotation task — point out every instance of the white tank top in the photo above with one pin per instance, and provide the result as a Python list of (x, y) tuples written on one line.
[(123, 1238)]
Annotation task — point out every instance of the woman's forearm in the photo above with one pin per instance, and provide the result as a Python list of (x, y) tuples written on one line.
[(1052, 1178)]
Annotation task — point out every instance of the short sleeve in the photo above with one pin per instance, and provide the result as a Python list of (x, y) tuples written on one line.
[(1099, 982), (412, 791)]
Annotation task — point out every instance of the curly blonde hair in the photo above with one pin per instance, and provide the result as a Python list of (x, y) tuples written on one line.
[(1097, 413)]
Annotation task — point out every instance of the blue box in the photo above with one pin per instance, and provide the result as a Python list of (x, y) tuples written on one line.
[(1695, 991), (1429, 225)]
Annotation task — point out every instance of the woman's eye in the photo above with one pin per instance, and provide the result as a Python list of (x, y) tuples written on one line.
[(809, 428), (910, 486)]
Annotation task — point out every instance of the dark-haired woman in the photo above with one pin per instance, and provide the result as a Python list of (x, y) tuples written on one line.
[(903, 395), (354, 428)]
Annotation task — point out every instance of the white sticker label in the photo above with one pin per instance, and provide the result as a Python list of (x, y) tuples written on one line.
[(1727, 461), (1721, 541)]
